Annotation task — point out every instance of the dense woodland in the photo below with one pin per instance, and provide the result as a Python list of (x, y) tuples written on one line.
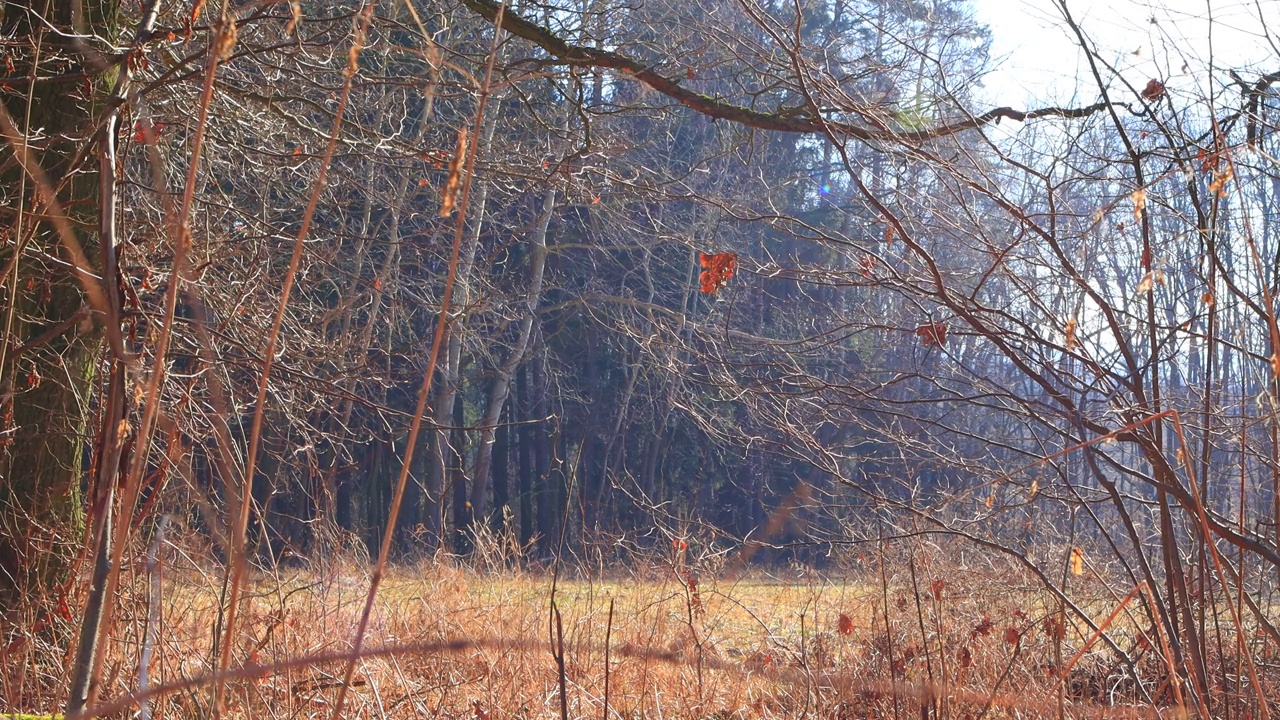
[(330, 282)]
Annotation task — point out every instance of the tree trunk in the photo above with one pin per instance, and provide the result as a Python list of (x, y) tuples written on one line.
[(458, 478), (525, 454), (451, 370), (543, 445), (501, 475), (49, 351), (502, 376)]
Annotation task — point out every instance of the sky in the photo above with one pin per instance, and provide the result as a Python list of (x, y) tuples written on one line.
[(1038, 62)]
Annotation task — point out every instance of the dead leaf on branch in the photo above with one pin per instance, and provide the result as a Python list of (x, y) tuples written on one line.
[(1139, 198), (1220, 180), (717, 269), (449, 196), (845, 625), (932, 334)]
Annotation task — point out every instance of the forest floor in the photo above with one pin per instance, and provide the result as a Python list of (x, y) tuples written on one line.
[(662, 642)]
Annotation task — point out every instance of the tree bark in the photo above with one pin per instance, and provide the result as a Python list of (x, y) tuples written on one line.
[(49, 351)]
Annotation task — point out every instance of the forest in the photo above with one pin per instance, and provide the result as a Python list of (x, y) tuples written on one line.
[(359, 356)]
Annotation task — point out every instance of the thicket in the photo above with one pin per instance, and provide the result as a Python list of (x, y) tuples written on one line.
[(312, 282)]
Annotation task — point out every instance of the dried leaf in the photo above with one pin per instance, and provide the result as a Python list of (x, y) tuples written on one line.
[(1055, 628), (932, 334), (1220, 180), (717, 269), (936, 587), (225, 43), (1139, 198), (845, 625), (295, 17), (983, 628), (147, 131), (868, 263), (1148, 282), (1077, 561), (1154, 90), (449, 196), (195, 12), (1071, 334)]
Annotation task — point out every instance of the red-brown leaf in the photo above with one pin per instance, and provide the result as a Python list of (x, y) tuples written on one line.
[(717, 269), (932, 334), (983, 628), (845, 625), (935, 588)]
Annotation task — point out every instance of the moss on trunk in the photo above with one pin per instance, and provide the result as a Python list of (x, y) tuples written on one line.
[(47, 385)]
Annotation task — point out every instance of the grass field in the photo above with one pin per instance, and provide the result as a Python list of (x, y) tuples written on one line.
[(660, 642)]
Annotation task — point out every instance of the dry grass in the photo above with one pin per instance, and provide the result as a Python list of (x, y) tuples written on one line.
[(447, 642)]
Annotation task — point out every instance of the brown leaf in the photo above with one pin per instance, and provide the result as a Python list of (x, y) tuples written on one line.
[(1055, 628), (935, 588), (1153, 90), (1220, 181), (1139, 198), (932, 334), (868, 263), (983, 628), (225, 42), (717, 269), (845, 625), (449, 196)]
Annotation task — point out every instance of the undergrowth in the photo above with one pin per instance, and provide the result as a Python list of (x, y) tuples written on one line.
[(922, 636)]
